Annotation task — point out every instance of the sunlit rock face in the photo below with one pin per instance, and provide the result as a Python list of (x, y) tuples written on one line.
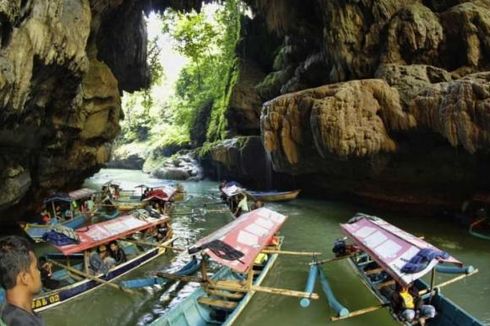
[(63, 66), (386, 100), (60, 103)]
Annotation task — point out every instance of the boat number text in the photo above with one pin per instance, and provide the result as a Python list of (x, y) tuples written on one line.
[(38, 303)]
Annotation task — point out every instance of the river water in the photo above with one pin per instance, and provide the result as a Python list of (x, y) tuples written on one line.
[(312, 225)]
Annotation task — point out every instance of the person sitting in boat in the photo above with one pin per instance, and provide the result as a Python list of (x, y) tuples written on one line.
[(45, 216), (68, 214), (21, 279), (221, 186), (90, 204), (144, 194), (242, 206), (100, 261), (410, 307), (162, 232), (257, 204), (57, 213), (46, 269), (117, 253)]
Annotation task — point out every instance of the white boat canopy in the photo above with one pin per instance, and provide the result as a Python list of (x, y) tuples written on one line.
[(391, 247), (248, 234)]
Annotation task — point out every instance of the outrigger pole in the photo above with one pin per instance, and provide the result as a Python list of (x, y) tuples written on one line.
[(90, 277), (443, 284), (236, 286)]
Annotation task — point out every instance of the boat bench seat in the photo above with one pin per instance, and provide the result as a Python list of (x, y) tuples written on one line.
[(227, 295), (373, 271), (222, 304), (387, 283)]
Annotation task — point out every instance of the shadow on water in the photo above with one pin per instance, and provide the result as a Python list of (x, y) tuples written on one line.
[(312, 225)]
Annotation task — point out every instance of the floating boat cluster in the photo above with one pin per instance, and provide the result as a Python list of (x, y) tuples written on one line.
[(386, 257)]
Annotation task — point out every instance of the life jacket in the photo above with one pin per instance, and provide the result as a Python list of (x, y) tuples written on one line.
[(407, 300), (260, 259)]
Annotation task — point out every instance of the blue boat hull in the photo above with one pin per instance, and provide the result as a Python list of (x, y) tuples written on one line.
[(191, 312), (55, 297), (448, 313), (36, 231)]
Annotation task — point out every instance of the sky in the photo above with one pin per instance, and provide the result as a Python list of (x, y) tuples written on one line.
[(171, 60)]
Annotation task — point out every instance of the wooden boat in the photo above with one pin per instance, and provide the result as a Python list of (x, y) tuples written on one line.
[(222, 298), (476, 227), (74, 270), (67, 200), (378, 253), (271, 196), (124, 201)]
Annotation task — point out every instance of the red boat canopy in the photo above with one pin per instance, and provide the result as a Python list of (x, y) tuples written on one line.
[(390, 246), (81, 193), (163, 193), (249, 233), (96, 234)]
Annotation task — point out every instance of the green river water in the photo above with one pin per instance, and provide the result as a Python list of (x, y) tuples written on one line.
[(312, 225)]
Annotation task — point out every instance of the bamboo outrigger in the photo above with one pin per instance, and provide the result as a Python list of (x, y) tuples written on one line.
[(379, 253), (237, 246)]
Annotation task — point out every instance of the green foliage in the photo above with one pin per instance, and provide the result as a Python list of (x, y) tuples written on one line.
[(208, 39), (212, 71)]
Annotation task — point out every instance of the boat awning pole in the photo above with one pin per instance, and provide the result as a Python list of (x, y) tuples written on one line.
[(432, 279), (204, 268)]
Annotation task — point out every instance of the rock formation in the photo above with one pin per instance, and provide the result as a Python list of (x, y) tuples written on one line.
[(384, 100), (63, 64)]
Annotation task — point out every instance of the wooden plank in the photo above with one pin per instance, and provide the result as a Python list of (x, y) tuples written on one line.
[(241, 288), (224, 294), (373, 271), (360, 312), (157, 244), (90, 277), (387, 283), (229, 283), (229, 305), (295, 253), (286, 292), (320, 262)]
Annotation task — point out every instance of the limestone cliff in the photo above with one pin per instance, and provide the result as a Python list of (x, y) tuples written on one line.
[(63, 64), (380, 99)]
